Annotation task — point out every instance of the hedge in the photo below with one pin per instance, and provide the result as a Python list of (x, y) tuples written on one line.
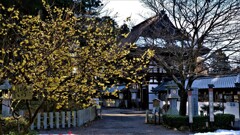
[(175, 121), (223, 121), (10, 125), (199, 123)]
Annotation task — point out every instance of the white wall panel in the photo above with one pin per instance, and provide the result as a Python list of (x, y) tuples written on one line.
[(150, 86)]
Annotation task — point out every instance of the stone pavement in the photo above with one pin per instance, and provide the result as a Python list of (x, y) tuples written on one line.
[(118, 122)]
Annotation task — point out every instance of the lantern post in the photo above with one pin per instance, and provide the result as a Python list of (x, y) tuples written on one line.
[(211, 115)]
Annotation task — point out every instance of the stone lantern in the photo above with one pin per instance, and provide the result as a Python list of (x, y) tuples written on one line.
[(5, 101), (172, 98)]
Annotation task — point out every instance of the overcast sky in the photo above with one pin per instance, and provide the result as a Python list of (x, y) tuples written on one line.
[(127, 8)]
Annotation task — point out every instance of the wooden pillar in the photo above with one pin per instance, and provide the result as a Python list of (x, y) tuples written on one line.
[(51, 119)]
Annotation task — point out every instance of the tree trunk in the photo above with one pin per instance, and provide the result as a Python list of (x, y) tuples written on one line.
[(1, 131), (32, 118), (183, 103)]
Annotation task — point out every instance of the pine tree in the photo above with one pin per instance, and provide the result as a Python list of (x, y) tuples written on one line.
[(87, 7), (32, 7), (219, 63)]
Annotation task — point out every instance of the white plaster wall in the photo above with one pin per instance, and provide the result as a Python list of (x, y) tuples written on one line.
[(151, 95), (230, 108), (150, 106), (150, 86), (150, 100)]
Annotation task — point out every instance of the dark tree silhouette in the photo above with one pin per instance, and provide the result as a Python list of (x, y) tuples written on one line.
[(208, 25), (219, 63)]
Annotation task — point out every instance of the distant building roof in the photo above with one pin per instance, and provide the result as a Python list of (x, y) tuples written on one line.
[(116, 88), (227, 81), (164, 86), (158, 26), (161, 87)]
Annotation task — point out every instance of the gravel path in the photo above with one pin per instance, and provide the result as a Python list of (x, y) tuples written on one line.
[(118, 122)]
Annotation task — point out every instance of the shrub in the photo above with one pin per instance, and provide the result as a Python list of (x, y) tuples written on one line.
[(29, 133), (199, 123), (224, 120), (11, 124), (175, 121)]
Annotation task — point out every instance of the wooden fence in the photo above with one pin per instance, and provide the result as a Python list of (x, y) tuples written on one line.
[(64, 119)]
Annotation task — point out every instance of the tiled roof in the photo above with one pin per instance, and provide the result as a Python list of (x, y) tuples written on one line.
[(218, 82), (161, 87), (115, 88), (164, 86), (227, 81)]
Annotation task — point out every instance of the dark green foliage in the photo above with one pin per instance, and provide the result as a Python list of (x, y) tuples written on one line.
[(32, 7), (87, 7), (11, 125), (175, 121), (29, 133), (199, 123), (219, 63), (224, 120), (124, 29)]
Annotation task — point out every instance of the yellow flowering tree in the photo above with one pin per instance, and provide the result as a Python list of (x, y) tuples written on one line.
[(62, 59)]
